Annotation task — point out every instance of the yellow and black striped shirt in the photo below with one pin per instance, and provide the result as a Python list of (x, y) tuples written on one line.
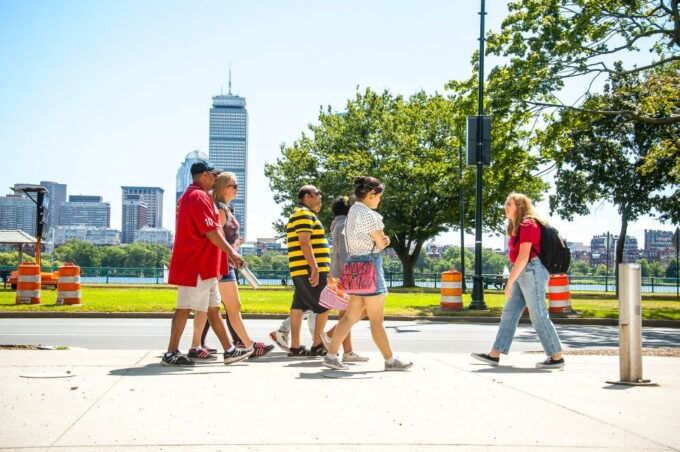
[(304, 220)]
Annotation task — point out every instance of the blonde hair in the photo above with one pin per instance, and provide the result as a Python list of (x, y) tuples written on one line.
[(525, 209), (223, 180)]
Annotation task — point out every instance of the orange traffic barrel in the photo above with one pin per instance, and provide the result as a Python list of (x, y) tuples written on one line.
[(452, 290), (558, 294), (28, 284), (68, 285)]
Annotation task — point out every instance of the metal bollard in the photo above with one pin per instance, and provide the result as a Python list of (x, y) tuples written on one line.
[(630, 327)]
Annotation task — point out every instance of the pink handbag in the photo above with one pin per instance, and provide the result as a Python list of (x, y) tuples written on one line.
[(358, 278), (329, 299)]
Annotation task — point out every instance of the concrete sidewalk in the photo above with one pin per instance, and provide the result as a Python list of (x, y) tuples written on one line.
[(124, 400)]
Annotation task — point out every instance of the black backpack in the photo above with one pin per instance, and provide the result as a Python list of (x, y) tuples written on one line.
[(554, 255)]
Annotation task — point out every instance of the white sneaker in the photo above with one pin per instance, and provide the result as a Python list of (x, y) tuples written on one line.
[(398, 365), (325, 340), (334, 363), (354, 357), (281, 339)]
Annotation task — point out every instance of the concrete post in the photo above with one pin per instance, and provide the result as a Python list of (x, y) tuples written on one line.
[(630, 326)]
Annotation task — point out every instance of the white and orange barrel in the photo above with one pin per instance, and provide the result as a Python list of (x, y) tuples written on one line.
[(28, 284), (559, 296), (68, 285), (452, 291)]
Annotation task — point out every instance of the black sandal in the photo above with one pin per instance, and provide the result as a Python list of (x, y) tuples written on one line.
[(298, 352), (318, 350)]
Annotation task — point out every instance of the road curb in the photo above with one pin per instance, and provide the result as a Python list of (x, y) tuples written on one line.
[(446, 319)]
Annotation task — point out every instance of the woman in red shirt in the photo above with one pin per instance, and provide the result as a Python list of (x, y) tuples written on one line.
[(526, 286)]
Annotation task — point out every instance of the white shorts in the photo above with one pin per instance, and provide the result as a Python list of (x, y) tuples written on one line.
[(205, 294)]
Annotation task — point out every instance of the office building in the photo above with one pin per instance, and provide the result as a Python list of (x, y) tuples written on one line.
[(183, 178), (152, 197), (94, 235), (135, 217), (56, 194), (85, 211), (228, 146), (17, 211), (154, 236), (598, 249)]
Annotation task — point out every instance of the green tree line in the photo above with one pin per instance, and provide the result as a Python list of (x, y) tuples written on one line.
[(131, 255)]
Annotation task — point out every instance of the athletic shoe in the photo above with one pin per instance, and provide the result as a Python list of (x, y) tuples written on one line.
[(353, 357), (398, 365), (486, 359), (299, 352), (281, 339), (201, 354), (260, 349), (176, 359), (326, 340), (239, 344), (334, 363), (212, 351), (317, 350), (551, 363), (236, 355)]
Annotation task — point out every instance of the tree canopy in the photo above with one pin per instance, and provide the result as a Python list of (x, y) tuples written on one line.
[(550, 42), (411, 144)]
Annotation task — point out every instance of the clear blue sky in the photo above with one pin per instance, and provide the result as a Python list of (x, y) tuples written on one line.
[(101, 94)]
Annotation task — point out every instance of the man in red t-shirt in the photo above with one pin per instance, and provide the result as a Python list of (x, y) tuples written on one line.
[(195, 265)]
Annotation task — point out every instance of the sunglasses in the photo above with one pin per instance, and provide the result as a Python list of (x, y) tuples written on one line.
[(233, 185)]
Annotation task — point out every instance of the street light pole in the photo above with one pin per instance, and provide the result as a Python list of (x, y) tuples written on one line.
[(462, 217), (478, 283)]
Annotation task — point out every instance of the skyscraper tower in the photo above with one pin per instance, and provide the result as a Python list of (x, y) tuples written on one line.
[(183, 179), (228, 145), (152, 198)]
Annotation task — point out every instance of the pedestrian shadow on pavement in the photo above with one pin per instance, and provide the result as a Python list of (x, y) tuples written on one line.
[(339, 375), (511, 370), (157, 369), (402, 329), (583, 336)]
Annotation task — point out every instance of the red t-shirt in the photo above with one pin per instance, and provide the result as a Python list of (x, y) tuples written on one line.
[(193, 253), (529, 231)]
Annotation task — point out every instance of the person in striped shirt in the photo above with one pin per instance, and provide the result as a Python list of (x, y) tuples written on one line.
[(309, 261)]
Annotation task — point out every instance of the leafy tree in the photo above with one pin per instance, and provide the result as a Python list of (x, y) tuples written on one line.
[(113, 256), (671, 269), (254, 262), (141, 255), (601, 270), (9, 259), (412, 145), (549, 42), (580, 268), (80, 253), (645, 268), (656, 270), (601, 158)]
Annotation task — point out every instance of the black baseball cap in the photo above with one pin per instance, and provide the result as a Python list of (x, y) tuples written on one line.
[(201, 166)]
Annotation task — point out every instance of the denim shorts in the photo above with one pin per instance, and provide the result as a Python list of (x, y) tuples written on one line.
[(380, 285), (229, 277)]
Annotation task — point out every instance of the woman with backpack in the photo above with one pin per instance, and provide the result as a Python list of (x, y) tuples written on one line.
[(526, 286)]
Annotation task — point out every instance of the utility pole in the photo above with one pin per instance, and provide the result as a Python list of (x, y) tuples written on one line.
[(478, 283), (462, 216)]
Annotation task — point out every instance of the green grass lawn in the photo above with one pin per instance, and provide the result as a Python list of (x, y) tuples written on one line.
[(399, 302)]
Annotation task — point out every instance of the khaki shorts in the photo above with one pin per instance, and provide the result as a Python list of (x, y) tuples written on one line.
[(205, 294)]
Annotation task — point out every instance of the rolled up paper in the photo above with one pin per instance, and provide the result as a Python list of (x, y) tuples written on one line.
[(248, 276)]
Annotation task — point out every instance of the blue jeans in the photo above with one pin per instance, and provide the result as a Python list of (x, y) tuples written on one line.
[(380, 284), (528, 291)]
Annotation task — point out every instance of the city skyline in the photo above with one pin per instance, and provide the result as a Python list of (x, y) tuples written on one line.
[(127, 87)]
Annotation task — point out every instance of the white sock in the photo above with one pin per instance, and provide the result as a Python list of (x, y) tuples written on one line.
[(332, 356), (231, 349), (390, 361)]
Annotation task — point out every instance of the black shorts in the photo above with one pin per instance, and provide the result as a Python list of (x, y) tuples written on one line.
[(305, 296)]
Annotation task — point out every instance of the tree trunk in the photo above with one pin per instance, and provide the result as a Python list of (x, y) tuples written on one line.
[(408, 261), (620, 243)]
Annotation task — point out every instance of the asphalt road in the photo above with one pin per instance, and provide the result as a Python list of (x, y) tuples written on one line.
[(133, 334)]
